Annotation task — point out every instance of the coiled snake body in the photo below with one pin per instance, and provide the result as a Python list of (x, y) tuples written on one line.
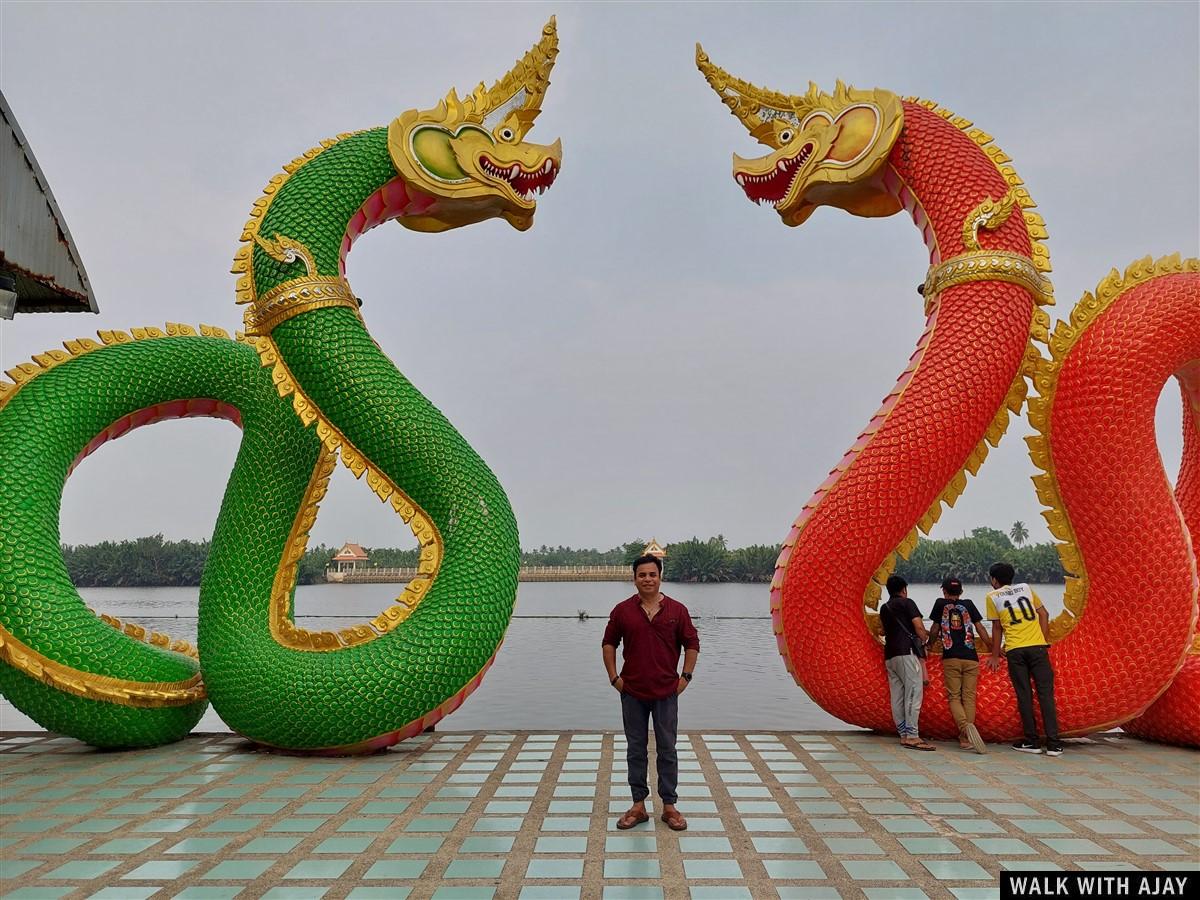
[(1124, 535), (307, 384)]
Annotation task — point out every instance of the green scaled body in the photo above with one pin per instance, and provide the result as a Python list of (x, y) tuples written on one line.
[(307, 383), (341, 699), (44, 427)]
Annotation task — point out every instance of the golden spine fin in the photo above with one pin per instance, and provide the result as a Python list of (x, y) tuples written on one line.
[(1045, 379)]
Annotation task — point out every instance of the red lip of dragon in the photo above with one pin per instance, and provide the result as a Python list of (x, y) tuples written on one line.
[(1123, 532)]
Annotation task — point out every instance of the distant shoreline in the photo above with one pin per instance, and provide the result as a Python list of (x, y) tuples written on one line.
[(155, 562)]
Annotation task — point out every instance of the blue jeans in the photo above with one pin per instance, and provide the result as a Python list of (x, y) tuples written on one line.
[(636, 715)]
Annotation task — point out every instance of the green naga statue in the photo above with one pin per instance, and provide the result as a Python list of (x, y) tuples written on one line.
[(306, 383)]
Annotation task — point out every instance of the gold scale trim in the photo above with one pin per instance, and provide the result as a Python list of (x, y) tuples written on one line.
[(1066, 333), (24, 658), (429, 538), (988, 212), (281, 303), (89, 685)]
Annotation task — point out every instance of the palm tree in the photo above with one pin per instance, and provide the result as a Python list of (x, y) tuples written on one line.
[(698, 561), (1019, 533)]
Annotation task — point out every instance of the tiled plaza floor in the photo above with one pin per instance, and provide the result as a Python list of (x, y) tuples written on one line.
[(519, 816)]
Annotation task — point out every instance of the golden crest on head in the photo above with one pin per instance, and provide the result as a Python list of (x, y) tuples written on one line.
[(826, 148), (471, 155)]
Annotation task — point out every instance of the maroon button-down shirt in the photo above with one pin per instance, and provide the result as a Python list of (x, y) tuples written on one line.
[(652, 646)]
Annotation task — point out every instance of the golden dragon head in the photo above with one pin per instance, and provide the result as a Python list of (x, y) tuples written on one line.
[(471, 155), (826, 149)]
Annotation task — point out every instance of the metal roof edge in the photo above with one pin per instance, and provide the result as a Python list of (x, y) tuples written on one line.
[(60, 220)]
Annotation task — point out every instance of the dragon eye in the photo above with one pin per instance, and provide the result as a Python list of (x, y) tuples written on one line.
[(786, 136), (507, 134)]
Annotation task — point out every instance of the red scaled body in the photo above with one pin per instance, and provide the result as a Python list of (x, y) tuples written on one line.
[(1127, 543)]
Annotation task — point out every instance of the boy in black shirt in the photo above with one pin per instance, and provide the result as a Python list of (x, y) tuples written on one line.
[(903, 649), (954, 618)]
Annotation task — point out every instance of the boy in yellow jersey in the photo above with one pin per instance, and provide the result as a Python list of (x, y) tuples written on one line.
[(1017, 611)]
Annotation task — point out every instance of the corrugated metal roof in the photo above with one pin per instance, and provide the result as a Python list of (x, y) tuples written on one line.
[(36, 248)]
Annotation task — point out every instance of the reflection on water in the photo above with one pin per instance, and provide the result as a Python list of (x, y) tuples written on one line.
[(548, 674)]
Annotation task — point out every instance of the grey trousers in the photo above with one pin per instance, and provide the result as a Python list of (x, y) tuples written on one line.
[(904, 680), (636, 715)]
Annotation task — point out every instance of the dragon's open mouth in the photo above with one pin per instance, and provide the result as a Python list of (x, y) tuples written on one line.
[(522, 181), (775, 185)]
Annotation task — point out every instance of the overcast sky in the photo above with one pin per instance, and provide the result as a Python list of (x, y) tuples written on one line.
[(657, 356)]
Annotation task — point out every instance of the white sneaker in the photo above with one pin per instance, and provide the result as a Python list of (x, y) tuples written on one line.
[(975, 739)]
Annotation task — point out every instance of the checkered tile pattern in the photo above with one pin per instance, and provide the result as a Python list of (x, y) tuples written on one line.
[(532, 816)]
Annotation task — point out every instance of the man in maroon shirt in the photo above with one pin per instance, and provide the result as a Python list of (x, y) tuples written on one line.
[(654, 628)]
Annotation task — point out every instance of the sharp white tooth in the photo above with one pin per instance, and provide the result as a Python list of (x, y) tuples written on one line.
[(512, 173), (782, 165), (741, 179), (547, 166)]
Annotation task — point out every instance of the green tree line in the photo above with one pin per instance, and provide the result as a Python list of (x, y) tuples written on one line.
[(155, 562), (708, 560), (969, 558), (692, 560)]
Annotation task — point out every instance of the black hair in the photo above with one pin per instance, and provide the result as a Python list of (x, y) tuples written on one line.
[(1003, 573), (895, 584), (952, 586), (647, 558)]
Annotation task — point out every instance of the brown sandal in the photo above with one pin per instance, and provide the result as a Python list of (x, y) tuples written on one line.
[(675, 821), (631, 818), (918, 745)]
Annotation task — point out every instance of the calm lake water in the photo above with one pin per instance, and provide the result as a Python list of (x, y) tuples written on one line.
[(549, 674)]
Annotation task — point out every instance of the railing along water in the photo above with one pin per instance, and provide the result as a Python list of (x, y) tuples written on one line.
[(400, 574)]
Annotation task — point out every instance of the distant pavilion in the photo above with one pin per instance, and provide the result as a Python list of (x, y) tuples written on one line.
[(349, 558), (654, 548)]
